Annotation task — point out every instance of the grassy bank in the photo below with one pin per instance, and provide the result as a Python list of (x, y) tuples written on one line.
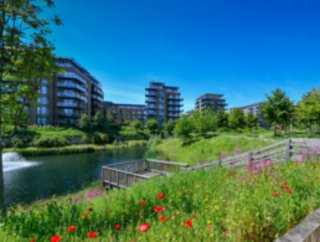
[(72, 149), (259, 203), (206, 149)]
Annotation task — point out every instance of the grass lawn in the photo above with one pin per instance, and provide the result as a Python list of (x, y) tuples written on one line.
[(256, 204), (204, 150)]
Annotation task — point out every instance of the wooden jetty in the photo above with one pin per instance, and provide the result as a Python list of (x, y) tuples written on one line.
[(122, 175)]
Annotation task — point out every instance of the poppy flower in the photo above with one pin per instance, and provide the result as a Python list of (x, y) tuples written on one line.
[(162, 218), (284, 183), (276, 194), (117, 226), (56, 238), (72, 228), (158, 209), (160, 195), (92, 235), (210, 228), (90, 209), (143, 203), (188, 224), (85, 215), (144, 227), (33, 240)]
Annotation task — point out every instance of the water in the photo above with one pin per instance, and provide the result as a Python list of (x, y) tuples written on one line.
[(28, 179)]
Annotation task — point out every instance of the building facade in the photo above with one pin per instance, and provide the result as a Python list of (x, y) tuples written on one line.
[(163, 103), (125, 112), (252, 108), (214, 102), (67, 96)]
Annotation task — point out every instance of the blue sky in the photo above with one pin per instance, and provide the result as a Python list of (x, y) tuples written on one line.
[(242, 49)]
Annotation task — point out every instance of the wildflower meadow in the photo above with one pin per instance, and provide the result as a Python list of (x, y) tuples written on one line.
[(259, 202)]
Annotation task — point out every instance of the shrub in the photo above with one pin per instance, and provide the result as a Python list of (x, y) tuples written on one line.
[(100, 138), (21, 141), (50, 142)]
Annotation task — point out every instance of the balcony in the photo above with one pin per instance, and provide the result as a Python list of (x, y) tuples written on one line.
[(69, 85), (151, 100), (176, 104), (73, 95), (70, 105), (176, 98), (97, 91), (74, 76)]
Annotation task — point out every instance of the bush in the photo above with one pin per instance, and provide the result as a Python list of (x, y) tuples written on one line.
[(21, 141), (50, 142), (100, 138)]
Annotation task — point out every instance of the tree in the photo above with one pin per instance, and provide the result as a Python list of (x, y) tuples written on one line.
[(98, 121), (277, 109), (25, 59), (236, 119), (308, 109), (84, 122), (222, 119), (251, 121), (152, 125), (136, 124), (184, 128), (169, 127), (204, 121)]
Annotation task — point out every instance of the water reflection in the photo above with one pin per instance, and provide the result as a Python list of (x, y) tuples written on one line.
[(45, 176)]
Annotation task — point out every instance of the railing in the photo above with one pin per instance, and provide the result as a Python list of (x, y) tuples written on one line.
[(164, 166), (279, 152)]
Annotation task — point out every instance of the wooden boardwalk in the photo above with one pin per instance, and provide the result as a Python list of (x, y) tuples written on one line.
[(122, 175)]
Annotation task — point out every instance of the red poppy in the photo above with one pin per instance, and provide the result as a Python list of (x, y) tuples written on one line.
[(90, 209), (117, 226), (162, 218), (160, 195), (92, 235), (144, 227), (158, 209), (284, 183), (188, 224), (287, 188), (33, 240), (194, 215), (210, 228), (143, 203), (289, 191), (56, 238), (276, 194), (85, 215), (72, 228)]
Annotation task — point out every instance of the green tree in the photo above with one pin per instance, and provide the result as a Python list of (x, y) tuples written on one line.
[(84, 122), (308, 109), (204, 121), (98, 121), (26, 59), (153, 126), (251, 121), (236, 119), (169, 127), (184, 128), (136, 124), (278, 109), (222, 119)]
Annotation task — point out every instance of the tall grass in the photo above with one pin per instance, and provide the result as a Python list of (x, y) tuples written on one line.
[(258, 203)]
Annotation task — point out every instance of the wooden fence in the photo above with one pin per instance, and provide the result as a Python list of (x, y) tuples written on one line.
[(279, 152), (125, 174)]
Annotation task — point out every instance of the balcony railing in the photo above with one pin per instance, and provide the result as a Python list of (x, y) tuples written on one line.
[(73, 75), (71, 85), (72, 95)]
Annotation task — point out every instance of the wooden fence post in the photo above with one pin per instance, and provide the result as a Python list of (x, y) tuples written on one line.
[(288, 149), (118, 178), (250, 157)]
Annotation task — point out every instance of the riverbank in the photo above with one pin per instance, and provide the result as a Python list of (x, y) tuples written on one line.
[(74, 149), (237, 205), (202, 150)]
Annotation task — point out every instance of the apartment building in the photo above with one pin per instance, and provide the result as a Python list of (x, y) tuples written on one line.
[(212, 101), (252, 108), (163, 102), (67, 96), (125, 112)]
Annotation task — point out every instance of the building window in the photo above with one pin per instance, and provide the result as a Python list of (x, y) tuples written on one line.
[(43, 100), (42, 121), (42, 111), (43, 90)]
